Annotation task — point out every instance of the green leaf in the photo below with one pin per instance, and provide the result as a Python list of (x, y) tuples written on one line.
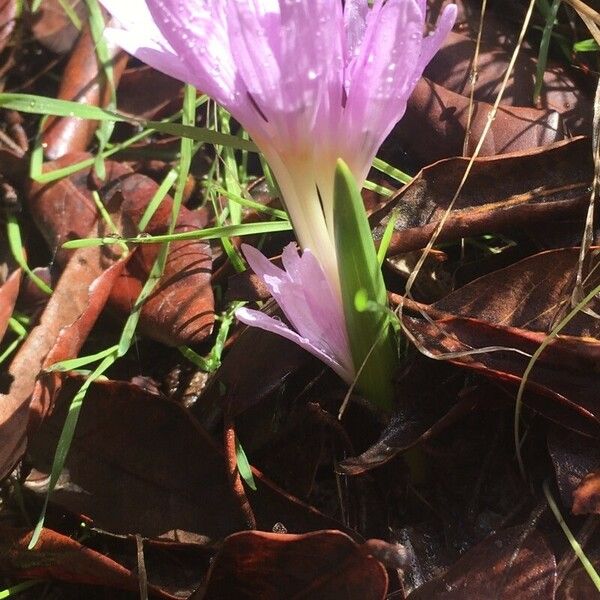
[(13, 233), (372, 342), (17, 589), (243, 465), (73, 364), (41, 105), (392, 172), (589, 45), (210, 233), (106, 128), (387, 237), (544, 48)]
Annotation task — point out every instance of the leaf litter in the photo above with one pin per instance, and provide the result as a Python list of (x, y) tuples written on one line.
[(435, 488)]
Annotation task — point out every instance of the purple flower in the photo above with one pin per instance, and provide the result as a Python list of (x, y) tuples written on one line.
[(309, 303), (312, 81)]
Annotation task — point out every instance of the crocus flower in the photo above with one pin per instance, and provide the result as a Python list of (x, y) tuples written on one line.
[(311, 81), (309, 304)]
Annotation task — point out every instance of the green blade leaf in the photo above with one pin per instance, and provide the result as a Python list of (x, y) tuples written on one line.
[(374, 349), (41, 105)]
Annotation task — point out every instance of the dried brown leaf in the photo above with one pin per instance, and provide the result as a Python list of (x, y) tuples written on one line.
[(323, 564)]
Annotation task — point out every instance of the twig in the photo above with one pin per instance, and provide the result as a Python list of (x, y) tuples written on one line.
[(233, 474)]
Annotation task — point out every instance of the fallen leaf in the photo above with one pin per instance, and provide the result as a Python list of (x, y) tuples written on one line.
[(451, 68), (235, 386), (423, 411), (60, 558), (435, 124), (529, 298), (9, 291), (69, 341), (148, 94), (64, 210), (9, 10), (180, 310), (578, 585), (323, 564), (560, 386), (175, 487), (68, 302), (503, 566), (501, 194), (532, 294)]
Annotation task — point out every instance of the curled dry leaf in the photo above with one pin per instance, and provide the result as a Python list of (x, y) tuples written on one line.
[(502, 566), (60, 558), (148, 94), (451, 68), (180, 310), (529, 298), (558, 387), (175, 487), (323, 564), (64, 210), (533, 294), (73, 297), (436, 123), (500, 194), (578, 585), (69, 301), (69, 341), (83, 81), (173, 567), (255, 351), (422, 413)]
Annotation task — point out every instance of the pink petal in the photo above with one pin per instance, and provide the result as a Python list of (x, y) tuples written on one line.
[(355, 22), (255, 318), (312, 62), (260, 264), (433, 42), (197, 31), (252, 50), (383, 69), (307, 299), (149, 52), (317, 310), (133, 14), (141, 38), (383, 74)]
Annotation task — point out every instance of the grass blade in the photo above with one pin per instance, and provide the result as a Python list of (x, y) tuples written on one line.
[(372, 342), (210, 233), (29, 103), (13, 233)]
